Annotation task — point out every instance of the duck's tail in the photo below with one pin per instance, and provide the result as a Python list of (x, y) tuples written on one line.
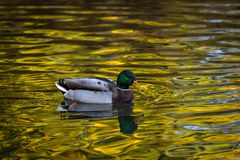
[(61, 85)]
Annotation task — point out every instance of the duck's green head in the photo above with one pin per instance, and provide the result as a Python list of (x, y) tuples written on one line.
[(125, 79)]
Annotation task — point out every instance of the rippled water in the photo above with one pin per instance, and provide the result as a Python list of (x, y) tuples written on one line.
[(185, 56)]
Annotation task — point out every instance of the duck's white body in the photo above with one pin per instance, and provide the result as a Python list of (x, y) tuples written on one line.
[(86, 96), (88, 90)]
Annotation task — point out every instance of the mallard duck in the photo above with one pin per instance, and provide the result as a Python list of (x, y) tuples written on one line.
[(98, 90)]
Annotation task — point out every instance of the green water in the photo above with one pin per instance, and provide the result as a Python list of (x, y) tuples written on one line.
[(186, 56)]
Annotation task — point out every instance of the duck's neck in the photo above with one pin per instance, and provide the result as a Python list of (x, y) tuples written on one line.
[(122, 86)]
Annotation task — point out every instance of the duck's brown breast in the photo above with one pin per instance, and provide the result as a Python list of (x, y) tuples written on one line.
[(122, 96)]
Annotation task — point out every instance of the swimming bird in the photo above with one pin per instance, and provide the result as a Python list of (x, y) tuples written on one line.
[(99, 90)]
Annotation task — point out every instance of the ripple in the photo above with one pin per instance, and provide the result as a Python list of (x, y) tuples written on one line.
[(184, 151), (190, 150)]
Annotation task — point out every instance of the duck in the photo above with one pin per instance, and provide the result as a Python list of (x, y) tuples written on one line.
[(97, 90)]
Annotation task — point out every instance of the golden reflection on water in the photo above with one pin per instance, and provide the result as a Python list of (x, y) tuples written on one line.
[(185, 56)]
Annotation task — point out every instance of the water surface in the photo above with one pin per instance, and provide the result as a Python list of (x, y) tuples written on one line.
[(185, 56)]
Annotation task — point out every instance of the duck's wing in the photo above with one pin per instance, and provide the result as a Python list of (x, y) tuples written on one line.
[(94, 84), (109, 81)]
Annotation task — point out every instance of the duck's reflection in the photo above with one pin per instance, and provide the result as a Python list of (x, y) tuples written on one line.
[(128, 122)]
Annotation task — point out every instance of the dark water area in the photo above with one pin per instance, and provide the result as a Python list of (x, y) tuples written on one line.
[(186, 56)]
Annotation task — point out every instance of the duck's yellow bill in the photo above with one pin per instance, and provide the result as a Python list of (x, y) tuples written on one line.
[(136, 86)]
